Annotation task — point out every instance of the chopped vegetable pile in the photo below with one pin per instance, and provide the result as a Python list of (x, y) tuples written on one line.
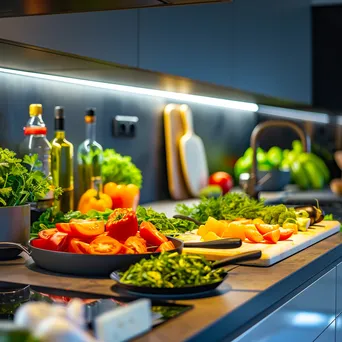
[(119, 235), (171, 270)]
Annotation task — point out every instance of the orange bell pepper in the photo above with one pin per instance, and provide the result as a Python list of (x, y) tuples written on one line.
[(92, 199), (122, 195)]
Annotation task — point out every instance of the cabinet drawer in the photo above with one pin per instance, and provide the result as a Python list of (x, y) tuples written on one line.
[(303, 318), (339, 289)]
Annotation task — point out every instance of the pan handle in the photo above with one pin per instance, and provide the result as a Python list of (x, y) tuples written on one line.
[(237, 258), (215, 244), (16, 246)]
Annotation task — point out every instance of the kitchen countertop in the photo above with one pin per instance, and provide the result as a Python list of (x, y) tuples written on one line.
[(246, 293)]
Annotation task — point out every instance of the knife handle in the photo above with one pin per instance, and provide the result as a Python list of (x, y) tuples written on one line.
[(215, 244)]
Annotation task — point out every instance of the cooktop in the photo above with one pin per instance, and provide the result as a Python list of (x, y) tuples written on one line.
[(12, 296)]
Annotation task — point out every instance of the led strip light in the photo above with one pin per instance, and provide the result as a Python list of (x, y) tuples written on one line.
[(211, 101)]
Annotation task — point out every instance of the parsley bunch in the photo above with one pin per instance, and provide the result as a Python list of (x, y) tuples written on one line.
[(19, 183)]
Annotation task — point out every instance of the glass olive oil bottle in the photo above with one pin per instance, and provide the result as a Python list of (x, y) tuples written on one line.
[(62, 159), (90, 157)]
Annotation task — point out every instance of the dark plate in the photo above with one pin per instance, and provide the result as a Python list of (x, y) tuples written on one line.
[(176, 291), (88, 265)]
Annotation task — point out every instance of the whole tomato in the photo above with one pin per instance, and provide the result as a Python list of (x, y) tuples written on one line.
[(223, 179)]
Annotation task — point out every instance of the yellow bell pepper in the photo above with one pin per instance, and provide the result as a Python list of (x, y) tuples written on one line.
[(92, 199)]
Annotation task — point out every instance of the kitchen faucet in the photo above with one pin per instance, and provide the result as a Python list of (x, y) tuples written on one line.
[(252, 188)]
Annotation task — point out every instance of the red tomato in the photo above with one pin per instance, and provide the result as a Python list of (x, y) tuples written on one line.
[(122, 224), (105, 246), (77, 246), (272, 236), (223, 179), (151, 235), (47, 233), (285, 233), (86, 229), (266, 228), (138, 245), (58, 242), (63, 227), (39, 243), (253, 235), (166, 246)]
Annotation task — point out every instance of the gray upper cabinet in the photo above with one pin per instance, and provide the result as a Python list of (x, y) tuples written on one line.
[(110, 36), (258, 46), (191, 41)]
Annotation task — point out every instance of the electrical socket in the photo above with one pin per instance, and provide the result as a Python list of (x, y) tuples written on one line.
[(125, 126)]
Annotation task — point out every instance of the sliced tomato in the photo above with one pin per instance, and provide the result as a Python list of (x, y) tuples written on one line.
[(86, 229), (285, 233), (126, 250), (78, 246), (253, 235), (266, 228), (272, 236), (138, 245), (105, 245), (151, 235), (39, 243), (63, 227), (58, 242), (166, 246), (47, 233)]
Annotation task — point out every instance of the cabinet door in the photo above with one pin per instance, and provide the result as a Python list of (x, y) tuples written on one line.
[(339, 290), (191, 41), (328, 335), (303, 318), (110, 36)]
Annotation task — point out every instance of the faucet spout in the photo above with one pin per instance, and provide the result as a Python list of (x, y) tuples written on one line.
[(252, 188)]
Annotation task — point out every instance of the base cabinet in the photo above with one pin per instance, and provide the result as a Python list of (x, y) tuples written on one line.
[(339, 328), (306, 317)]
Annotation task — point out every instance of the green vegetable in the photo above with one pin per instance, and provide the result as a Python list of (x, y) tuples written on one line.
[(119, 169), (277, 214), (172, 270), (168, 226), (329, 217), (20, 185), (227, 207), (275, 156), (50, 217)]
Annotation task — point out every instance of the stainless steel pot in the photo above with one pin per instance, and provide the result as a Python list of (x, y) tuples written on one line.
[(15, 227)]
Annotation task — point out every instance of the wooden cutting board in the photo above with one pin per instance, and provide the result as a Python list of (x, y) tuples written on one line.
[(173, 129), (272, 253), (192, 155)]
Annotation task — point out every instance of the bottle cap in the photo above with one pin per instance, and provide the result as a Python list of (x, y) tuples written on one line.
[(59, 112), (35, 109), (90, 115)]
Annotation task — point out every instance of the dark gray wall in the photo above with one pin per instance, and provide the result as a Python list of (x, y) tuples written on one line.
[(225, 132), (262, 46)]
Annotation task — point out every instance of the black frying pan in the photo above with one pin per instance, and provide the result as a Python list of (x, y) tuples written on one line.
[(252, 255), (101, 265)]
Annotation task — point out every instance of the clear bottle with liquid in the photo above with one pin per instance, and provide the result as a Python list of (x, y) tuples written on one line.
[(62, 168), (90, 156), (35, 142)]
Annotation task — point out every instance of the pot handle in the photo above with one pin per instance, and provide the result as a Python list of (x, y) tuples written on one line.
[(15, 245)]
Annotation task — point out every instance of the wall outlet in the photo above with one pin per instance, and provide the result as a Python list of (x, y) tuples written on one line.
[(125, 126)]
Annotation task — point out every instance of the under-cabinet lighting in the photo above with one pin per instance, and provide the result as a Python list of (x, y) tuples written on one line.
[(211, 101), (294, 114)]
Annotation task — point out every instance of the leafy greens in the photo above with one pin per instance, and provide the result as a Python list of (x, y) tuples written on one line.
[(19, 182), (119, 169)]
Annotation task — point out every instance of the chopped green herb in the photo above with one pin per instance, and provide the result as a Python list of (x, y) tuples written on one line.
[(171, 270)]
